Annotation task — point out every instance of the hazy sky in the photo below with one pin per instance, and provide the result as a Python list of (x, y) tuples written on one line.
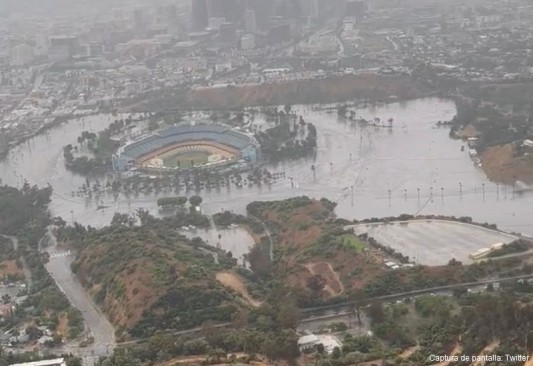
[(60, 7)]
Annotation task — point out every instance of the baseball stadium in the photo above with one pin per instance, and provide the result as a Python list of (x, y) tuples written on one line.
[(186, 147)]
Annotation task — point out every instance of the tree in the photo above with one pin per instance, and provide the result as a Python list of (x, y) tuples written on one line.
[(260, 263), (316, 283), (376, 312), (120, 219), (240, 319), (288, 315), (144, 216), (195, 201), (74, 361), (341, 110), (357, 297)]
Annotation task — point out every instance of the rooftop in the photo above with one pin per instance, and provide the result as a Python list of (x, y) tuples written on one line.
[(54, 362)]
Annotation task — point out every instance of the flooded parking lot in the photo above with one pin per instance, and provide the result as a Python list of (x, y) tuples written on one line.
[(412, 168), (433, 242)]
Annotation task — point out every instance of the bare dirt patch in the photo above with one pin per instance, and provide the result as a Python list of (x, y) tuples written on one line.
[(501, 166), (10, 267), (486, 351), (234, 282), (371, 363), (62, 326), (455, 351), (530, 361), (467, 132), (408, 352), (333, 284)]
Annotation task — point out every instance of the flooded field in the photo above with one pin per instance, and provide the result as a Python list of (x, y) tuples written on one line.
[(413, 167)]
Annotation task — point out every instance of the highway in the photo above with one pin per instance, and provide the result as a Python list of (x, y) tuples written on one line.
[(403, 295)]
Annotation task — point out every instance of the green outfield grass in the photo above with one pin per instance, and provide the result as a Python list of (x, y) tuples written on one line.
[(186, 159)]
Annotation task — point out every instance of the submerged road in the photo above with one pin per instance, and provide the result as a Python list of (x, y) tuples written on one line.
[(96, 322)]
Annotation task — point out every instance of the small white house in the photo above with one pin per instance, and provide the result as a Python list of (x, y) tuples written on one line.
[(310, 341)]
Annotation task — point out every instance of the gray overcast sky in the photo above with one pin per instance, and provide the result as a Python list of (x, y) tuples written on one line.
[(60, 7)]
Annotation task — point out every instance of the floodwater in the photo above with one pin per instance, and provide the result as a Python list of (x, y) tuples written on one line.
[(387, 168), (235, 240)]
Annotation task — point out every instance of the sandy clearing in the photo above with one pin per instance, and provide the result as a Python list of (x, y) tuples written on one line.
[(530, 361), (10, 267), (408, 352), (334, 285), (455, 351), (486, 351), (235, 283)]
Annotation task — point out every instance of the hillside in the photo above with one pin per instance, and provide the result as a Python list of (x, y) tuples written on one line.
[(329, 90), (149, 277), (321, 262), (313, 255)]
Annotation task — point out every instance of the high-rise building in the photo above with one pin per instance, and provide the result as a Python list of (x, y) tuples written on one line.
[(231, 10), (22, 55), (200, 14), (250, 24), (63, 48), (216, 23), (227, 33), (263, 11), (247, 42), (309, 8), (171, 12), (313, 9), (139, 19), (356, 9)]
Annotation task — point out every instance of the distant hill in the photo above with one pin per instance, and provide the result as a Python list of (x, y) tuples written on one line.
[(333, 89)]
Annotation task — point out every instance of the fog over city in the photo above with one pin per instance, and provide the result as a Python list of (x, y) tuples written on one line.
[(266, 182)]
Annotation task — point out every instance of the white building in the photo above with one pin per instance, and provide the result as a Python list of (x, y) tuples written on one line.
[(21, 55), (480, 253), (311, 341), (215, 23), (247, 42), (250, 23), (54, 362)]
